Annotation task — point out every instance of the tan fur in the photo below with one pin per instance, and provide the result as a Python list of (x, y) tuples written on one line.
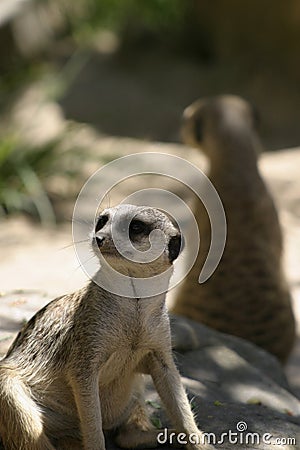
[(77, 367), (247, 295)]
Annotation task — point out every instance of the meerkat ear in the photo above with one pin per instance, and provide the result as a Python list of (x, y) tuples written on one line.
[(174, 247)]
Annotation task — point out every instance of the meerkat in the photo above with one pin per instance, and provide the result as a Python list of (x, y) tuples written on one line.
[(247, 295), (77, 367)]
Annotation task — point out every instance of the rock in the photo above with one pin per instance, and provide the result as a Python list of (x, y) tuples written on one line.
[(189, 336), (233, 386), (238, 391)]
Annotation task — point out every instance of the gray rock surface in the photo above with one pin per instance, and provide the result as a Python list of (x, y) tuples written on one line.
[(234, 385)]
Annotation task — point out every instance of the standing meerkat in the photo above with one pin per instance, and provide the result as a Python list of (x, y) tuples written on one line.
[(247, 295), (76, 367)]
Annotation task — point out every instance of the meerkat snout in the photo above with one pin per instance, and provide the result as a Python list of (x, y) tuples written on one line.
[(98, 237), (100, 240), (192, 125), (101, 221), (138, 239), (208, 123)]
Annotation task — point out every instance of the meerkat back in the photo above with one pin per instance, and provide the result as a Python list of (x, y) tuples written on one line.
[(247, 295)]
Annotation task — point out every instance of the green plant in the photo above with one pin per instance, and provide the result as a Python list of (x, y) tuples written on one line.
[(161, 17), (21, 173)]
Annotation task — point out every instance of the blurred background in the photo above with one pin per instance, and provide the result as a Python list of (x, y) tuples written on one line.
[(128, 68), (84, 82)]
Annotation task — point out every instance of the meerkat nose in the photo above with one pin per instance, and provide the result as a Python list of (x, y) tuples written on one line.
[(100, 240)]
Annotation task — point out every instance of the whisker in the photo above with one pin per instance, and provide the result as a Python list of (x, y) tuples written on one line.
[(73, 243), (81, 265), (80, 221), (108, 198), (100, 210), (105, 203)]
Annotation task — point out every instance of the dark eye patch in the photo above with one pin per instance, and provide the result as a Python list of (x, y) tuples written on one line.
[(101, 221), (174, 247), (138, 227)]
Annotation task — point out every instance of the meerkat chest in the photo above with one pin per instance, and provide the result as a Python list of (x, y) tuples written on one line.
[(119, 365), (141, 332)]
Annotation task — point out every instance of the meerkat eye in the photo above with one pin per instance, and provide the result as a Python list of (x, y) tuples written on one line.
[(198, 128), (101, 221), (137, 227)]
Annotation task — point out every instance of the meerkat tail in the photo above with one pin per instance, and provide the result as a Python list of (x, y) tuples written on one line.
[(21, 424)]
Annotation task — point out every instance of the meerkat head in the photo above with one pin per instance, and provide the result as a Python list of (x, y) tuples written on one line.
[(219, 122), (137, 241)]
